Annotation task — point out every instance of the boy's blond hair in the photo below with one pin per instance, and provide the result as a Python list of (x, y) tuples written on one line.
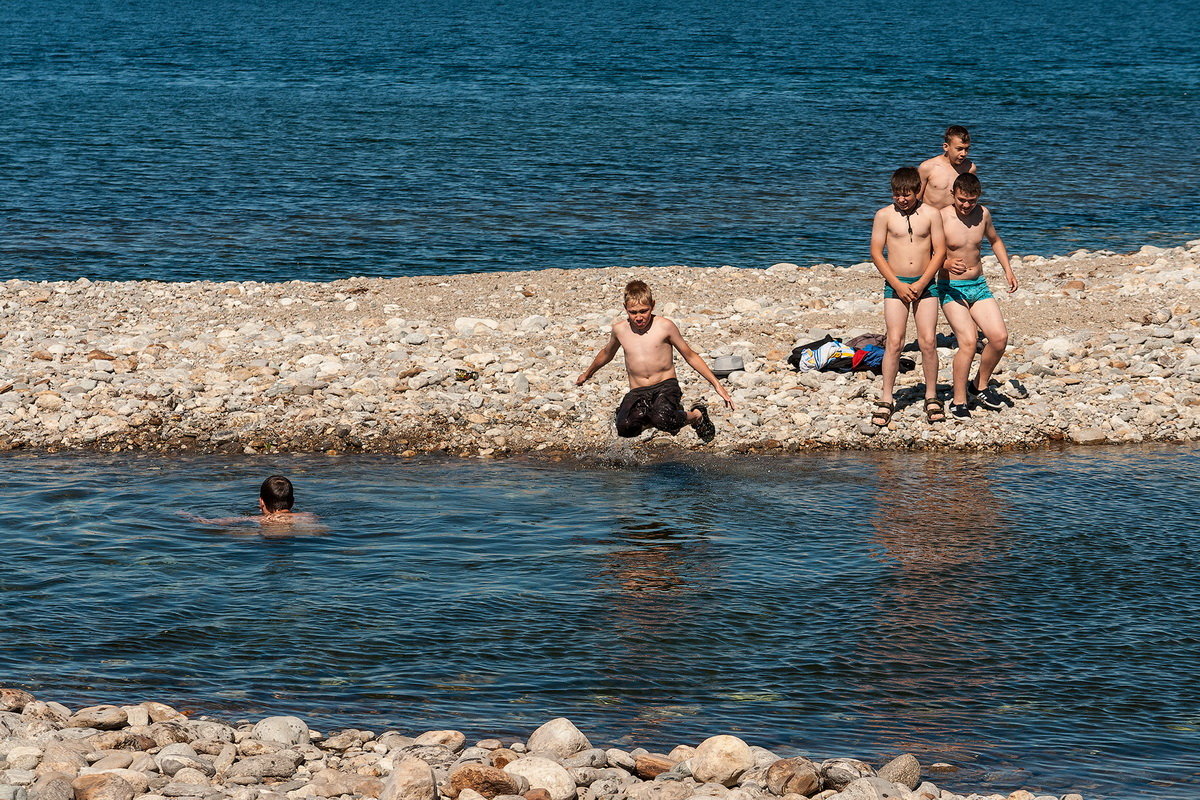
[(638, 292)]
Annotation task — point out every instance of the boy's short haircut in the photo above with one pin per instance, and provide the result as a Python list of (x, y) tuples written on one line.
[(638, 292), (906, 179), (276, 493), (967, 185), (958, 132)]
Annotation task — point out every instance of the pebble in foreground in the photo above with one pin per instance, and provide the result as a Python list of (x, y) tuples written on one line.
[(151, 751)]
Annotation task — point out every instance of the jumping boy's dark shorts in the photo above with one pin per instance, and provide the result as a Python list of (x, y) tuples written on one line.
[(658, 406)]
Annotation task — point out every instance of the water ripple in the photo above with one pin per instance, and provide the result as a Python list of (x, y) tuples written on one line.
[(988, 610)]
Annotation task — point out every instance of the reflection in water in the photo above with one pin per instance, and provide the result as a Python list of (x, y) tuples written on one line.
[(660, 561), (938, 525), (832, 604)]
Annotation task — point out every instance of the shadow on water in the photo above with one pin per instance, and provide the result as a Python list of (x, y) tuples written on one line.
[(1022, 616)]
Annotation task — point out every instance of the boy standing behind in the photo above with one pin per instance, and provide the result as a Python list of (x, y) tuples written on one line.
[(654, 399), (911, 234), (938, 173), (967, 301)]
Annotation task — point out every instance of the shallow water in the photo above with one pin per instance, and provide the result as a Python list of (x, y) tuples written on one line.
[(1032, 621), (291, 139)]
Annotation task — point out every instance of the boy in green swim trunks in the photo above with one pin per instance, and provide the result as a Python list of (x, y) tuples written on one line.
[(966, 299), (911, 234)]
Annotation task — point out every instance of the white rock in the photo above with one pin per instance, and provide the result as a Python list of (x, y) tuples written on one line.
[(558, 736), (721, 759), (411, 779), (542, 773), (282, 730)]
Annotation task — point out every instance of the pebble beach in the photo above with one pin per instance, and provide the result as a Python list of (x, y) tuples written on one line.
[(1102, 350), (152, 751)]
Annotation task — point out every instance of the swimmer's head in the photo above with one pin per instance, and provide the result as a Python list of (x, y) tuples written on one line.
[(906, 182), (275, 494), (966, 191), (956, 144)]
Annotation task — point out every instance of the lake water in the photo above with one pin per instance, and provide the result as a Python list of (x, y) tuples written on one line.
[(281, 139), (1028, 617)]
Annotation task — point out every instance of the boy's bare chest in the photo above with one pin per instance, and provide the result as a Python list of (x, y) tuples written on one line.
[(908, 227), (961, 234), (649, 342)]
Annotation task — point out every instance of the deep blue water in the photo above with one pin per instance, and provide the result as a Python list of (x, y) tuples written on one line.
[(1031, 618), (280, 139)]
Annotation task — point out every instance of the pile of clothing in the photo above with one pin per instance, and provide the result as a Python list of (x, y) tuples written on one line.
[(860, 354)]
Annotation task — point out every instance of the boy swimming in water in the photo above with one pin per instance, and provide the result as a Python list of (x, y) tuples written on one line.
[(966, 299), (654, 399), (276, 496), (911, 234), (938, 173)]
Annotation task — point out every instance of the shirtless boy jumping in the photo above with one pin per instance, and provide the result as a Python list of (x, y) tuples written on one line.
[(654, 399), (911, 233), (966, 299), (938, 173)]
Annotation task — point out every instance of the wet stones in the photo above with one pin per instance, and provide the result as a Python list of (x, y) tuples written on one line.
[(231, 763)]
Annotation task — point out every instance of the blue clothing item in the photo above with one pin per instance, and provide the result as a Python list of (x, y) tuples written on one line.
[(965, 292), (890, 293)]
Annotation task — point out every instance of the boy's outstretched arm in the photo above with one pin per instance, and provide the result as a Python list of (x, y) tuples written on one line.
[(606, 354), (697, 363), (1001, 253)]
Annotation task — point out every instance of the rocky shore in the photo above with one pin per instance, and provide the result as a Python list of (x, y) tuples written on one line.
[(1103, 348), (151, 751)]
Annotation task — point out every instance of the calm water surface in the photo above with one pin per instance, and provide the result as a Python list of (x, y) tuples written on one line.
[(1034, 620), (280, 139)]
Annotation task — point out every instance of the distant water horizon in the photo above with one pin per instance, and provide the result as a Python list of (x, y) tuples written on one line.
[(284, 140)]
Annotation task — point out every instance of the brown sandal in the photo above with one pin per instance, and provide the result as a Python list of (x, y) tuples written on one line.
[(934, 410), (882, 414)]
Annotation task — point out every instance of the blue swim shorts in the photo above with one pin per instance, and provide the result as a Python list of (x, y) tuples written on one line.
[(890, 293), (965, 292)]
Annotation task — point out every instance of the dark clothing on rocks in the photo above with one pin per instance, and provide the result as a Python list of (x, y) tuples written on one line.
[(658, 406)]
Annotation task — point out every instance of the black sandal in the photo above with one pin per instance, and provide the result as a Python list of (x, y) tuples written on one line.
[(704, 426), (882, 414), (934, 410)]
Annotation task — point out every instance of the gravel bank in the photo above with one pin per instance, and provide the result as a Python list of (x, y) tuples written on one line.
[(1102, 349), (151, 751)]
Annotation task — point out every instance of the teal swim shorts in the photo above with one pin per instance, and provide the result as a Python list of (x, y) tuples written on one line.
[(890, 293), (965, 292)]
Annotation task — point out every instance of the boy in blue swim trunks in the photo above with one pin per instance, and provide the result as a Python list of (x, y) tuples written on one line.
[(966, 299), (910, 233)]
